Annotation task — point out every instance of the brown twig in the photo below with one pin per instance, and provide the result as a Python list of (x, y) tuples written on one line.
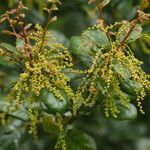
[(141, 17), (24, 36), (134, 22), (13, 28)]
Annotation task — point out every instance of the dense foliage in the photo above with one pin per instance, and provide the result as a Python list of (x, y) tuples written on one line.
[(57, 84)]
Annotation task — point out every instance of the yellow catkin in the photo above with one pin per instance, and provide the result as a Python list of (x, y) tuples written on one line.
[(33, 115), (102, 67), (61, 143)]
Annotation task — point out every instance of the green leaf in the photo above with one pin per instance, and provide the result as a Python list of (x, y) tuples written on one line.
[(52, 103), (86, 46), (131, 87), (121, 70), (129, 113), (9, 48), (71, 74), (135, 34), (80, 51), (97, 38), (61, 38), (78, 140)]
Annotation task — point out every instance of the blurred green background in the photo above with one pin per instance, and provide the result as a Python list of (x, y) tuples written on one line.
[(75, 16)]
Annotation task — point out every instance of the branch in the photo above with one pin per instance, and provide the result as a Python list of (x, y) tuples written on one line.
[(128, 34), (141, 17)]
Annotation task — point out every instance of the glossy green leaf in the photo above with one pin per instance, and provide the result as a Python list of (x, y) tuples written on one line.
[(80, 51), (121, 70), (71, 74), (52, 103), (78, 140), (129, 113), (85, 47), (131, 87), (96, 38)]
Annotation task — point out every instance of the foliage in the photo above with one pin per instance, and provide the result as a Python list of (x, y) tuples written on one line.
[(58, 85)]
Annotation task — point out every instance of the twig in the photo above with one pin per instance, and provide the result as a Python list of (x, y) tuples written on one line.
[(24, 36), (128, 34)]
